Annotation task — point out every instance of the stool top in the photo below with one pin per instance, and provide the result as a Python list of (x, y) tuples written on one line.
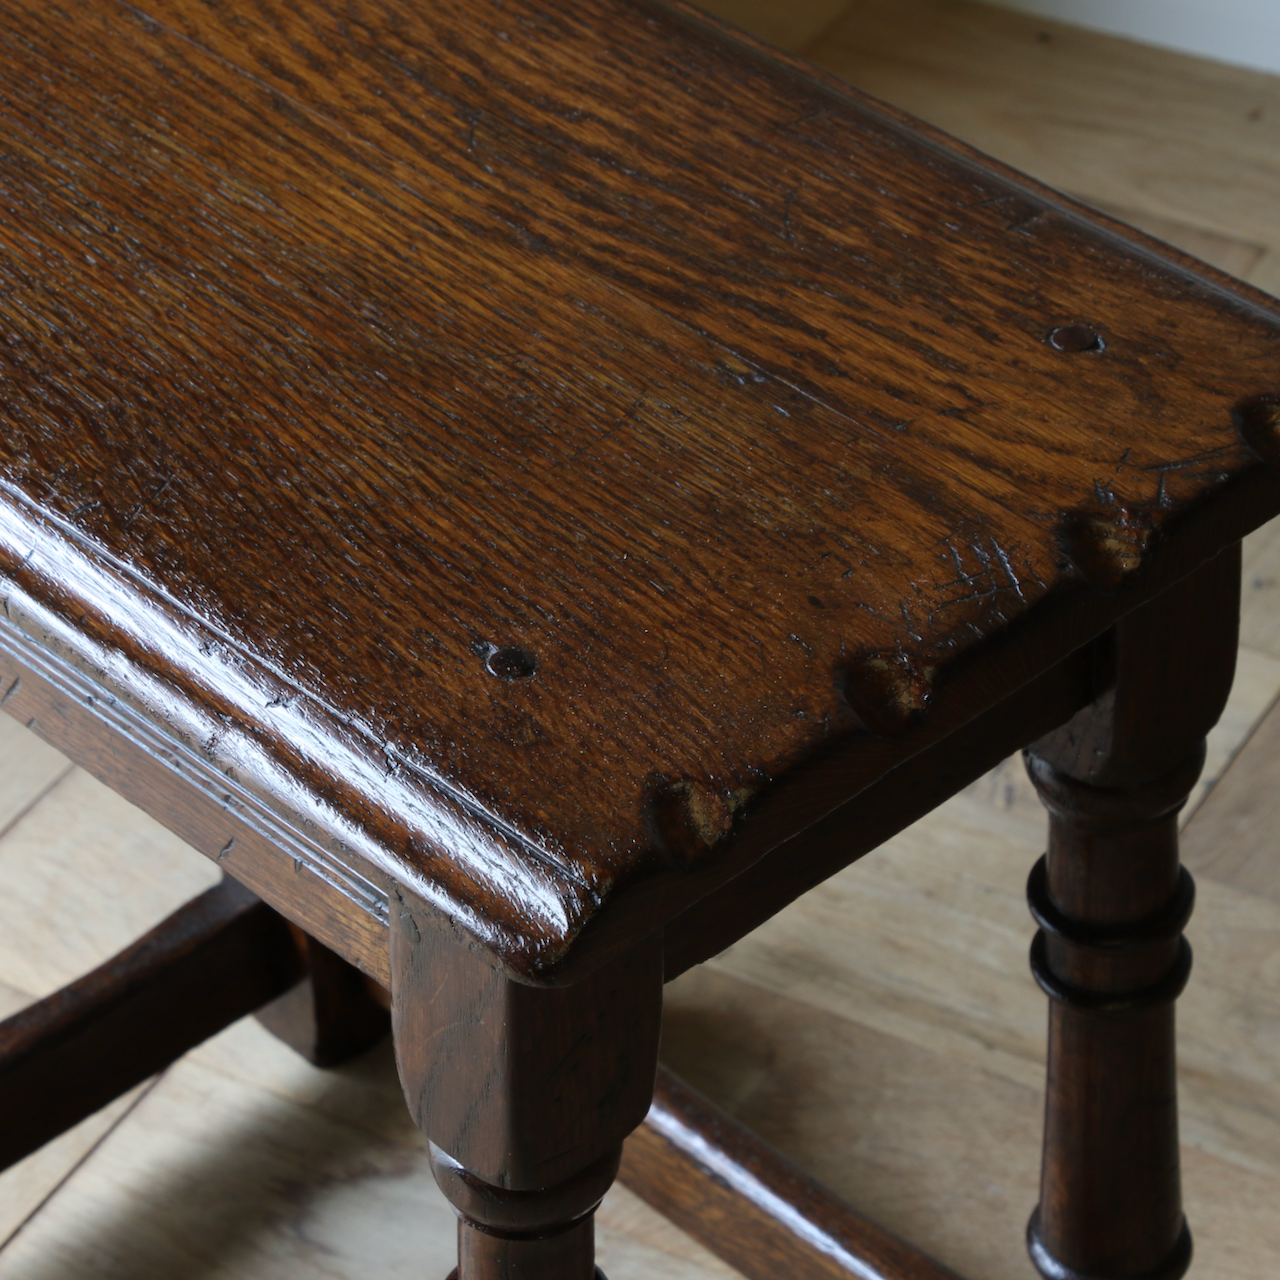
[(537, 449)]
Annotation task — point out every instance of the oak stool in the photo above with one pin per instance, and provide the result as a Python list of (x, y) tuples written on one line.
[(532, 489)]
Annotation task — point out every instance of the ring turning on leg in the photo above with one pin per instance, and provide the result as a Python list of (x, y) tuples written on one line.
[(1111, 902), (525, 1234)]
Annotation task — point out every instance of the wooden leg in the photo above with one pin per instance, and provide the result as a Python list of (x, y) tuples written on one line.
[(1111, 901), (525, 1235), (333, 1014), (526, 1092)]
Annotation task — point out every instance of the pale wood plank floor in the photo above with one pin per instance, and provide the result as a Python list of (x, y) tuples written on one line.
[(884, 1031)]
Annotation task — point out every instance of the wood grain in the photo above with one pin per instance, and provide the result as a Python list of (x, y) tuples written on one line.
[(907, 793), (334, 1014), (524, 1086), (250, 1163), (882, 1030), (1111, 902), (441, 346), (204, 807)]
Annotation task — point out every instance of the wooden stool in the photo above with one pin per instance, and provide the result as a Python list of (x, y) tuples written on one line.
[(530, 490)]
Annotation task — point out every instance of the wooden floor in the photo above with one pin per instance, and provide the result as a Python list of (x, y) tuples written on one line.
[(885, 1030)]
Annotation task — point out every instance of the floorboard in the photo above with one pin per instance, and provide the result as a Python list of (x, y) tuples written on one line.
[(1187, 146)]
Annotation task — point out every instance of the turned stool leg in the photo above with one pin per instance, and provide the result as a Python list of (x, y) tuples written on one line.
[(525, 1091), (540, 1235), (1111, 900)]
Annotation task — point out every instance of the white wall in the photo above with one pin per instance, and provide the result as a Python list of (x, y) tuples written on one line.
[(1246, 32)]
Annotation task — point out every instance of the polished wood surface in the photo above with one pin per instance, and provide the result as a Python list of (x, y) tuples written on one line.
[(206, 808), (913, 1089), (222, 953), (1111, 957), (883, 1030), (901, 797), (523, 1085), (525, 1092), (528, 529), (1183, 147), (452, 431), (545, 1234)]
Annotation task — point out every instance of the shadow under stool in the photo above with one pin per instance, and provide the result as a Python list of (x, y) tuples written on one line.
[(532, 490)]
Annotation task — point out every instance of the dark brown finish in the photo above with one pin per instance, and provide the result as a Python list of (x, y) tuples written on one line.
[(210, 963), (526, 1092), (905, 793), (1111, 902), (516, 471), (208, 808), (1076, 337), (525, 1235), (523, 1085), (750, 1205), (1164, 674), (599, 1275), (442, 344), (568, 1255), (1110, 1196), (215, 814), (332, 1015)]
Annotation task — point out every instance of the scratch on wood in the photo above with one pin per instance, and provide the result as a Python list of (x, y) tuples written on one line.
[(786, 214), (1006, 564), (813, 115), (1194, 461)]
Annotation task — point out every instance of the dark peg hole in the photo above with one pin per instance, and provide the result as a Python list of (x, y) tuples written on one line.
[(511, 664), (1076, 337)]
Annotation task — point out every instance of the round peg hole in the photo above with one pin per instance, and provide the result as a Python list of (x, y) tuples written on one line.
[(1076, 337), (511, 663)]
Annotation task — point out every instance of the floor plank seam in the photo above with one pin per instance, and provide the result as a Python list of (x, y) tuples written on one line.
[(80, 1162), (48, 789), (1239, 747)]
